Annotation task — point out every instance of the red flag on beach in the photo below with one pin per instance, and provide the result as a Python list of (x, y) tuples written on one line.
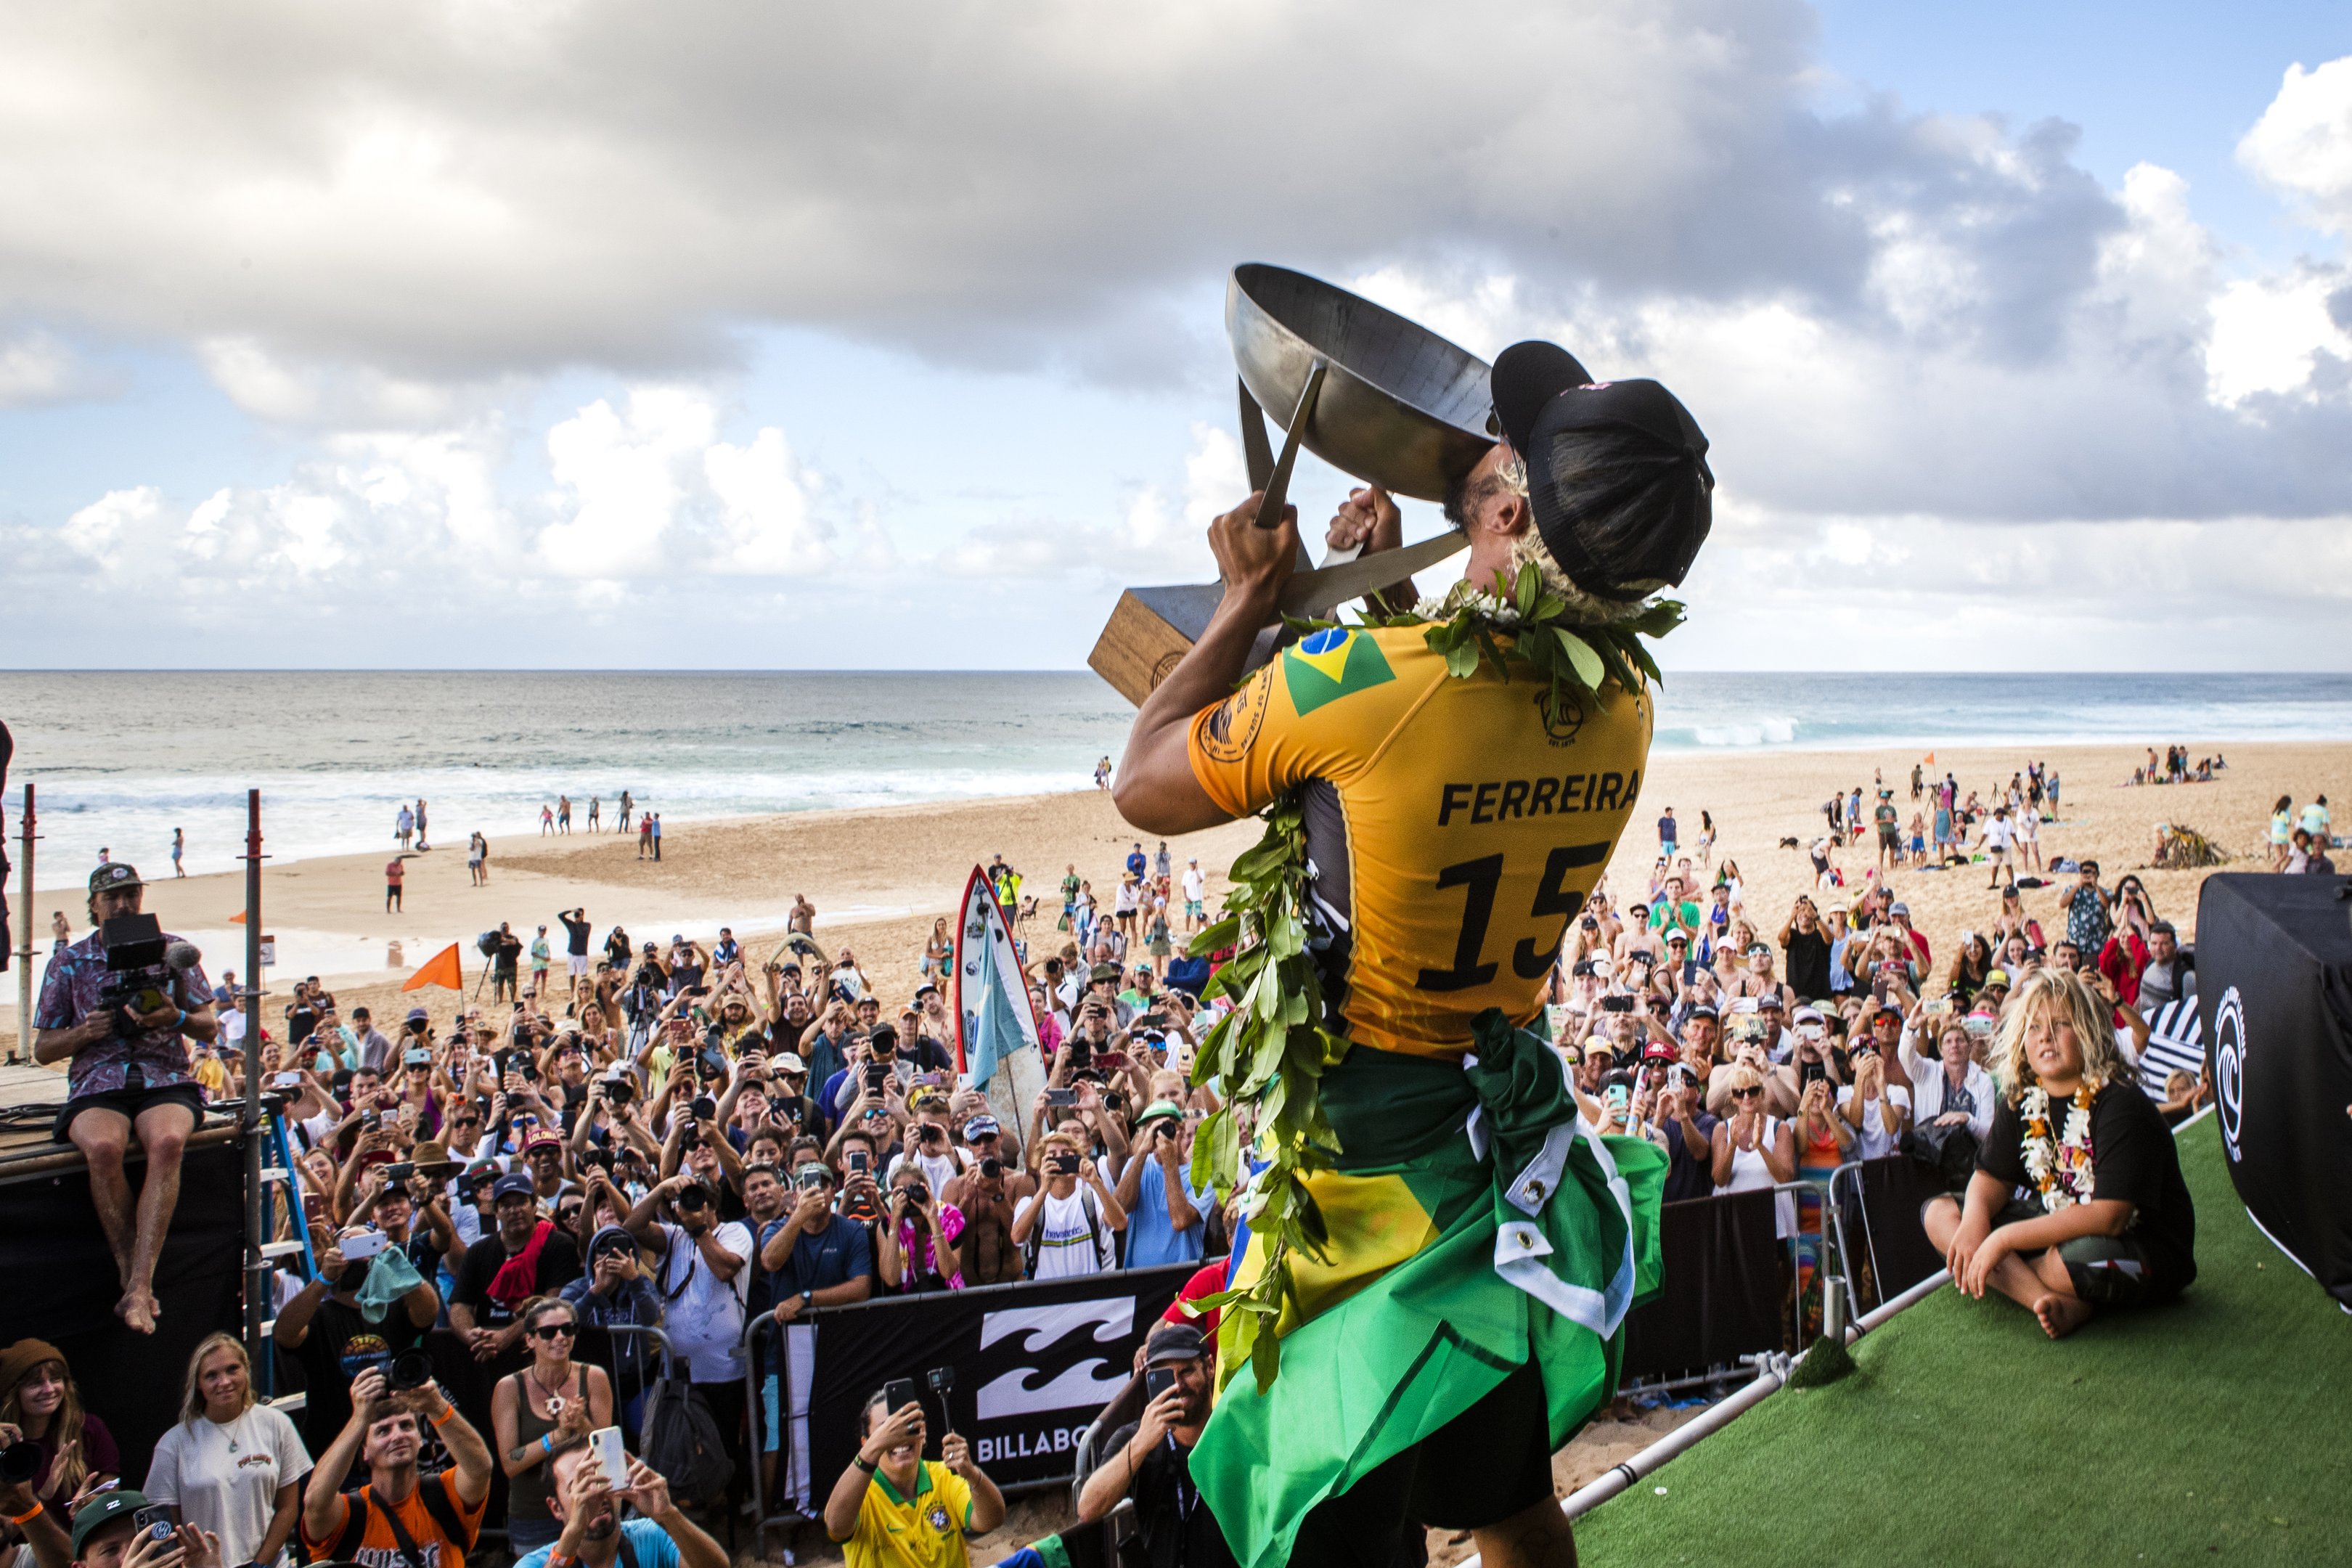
[(442, 969)]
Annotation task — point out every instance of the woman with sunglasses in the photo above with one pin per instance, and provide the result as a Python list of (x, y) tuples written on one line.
[(1754, 1149), (549, 1405)]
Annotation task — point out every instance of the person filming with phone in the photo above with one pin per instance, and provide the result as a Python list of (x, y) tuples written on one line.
[(1148, 1459), (892, 1506), (123, 1530), (582, 1496)]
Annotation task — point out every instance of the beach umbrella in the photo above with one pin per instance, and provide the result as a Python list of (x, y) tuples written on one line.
[(442, 969)]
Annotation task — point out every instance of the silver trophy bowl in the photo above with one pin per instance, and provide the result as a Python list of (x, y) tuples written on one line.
[(1399, 406)]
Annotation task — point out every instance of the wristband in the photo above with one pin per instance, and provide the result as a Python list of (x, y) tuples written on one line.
[(863, 1463), (547, 1444), (22, 1519), (443, 1419), (555, 1561)]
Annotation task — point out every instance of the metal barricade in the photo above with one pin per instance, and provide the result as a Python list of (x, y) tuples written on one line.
[(755, 1411), (1823, 1270), (616, 1332), (1851, 1168)]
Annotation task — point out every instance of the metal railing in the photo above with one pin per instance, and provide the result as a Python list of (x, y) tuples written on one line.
[(755, 1411)]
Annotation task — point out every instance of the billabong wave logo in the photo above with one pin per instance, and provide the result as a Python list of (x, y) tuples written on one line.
[(1091, 1382), (2230, 1067)]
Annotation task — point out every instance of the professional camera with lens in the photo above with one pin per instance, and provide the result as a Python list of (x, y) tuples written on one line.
[(140, 969), (19, 1463), (410, 1369)]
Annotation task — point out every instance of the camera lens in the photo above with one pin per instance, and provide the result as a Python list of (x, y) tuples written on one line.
[(411, 1369), (19, 1463)]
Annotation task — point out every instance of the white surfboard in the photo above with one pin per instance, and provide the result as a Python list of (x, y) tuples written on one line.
[(996, 1028)]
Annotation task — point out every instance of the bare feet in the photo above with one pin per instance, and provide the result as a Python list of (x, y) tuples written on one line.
[(2061, 1315), (138, 1311)]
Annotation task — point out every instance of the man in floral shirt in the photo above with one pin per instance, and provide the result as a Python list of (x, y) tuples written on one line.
[(2088, 925), (130, 1069)]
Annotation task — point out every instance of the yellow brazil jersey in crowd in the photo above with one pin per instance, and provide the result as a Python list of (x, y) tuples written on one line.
[(1455, 824), (924, 1530)]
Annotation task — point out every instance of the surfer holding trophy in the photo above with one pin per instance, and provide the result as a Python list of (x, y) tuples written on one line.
[(1425, 1312)]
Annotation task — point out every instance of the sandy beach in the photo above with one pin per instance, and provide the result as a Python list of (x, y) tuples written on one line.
[(878, 877)]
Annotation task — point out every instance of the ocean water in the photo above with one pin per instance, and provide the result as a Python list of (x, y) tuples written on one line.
[(122, 757)]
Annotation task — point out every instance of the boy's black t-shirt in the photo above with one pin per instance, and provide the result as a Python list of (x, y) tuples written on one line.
[(2133, 1159)]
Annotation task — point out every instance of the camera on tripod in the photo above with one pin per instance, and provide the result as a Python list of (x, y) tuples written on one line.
[(140, 968)]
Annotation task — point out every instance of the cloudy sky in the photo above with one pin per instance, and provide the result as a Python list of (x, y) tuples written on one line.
[(583, 334)]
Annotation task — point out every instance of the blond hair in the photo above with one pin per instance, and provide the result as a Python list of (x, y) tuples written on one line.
[(192, 1402), (2069, 1000)]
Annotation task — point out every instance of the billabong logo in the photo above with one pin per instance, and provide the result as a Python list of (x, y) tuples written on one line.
[(1089, 1381), (2230, 1067)]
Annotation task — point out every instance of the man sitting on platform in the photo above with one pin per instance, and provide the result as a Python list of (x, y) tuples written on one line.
[(129, 1071)]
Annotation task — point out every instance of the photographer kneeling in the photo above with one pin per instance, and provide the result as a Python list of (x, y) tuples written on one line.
[(432, 1521), (1149, 1459), (126, 1030), (891, 1500), (582, 1498)]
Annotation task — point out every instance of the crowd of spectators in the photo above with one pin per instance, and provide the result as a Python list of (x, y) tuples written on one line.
[(686, 1136)]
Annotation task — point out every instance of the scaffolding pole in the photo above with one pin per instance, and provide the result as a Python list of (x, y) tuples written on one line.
[(23, 1051), (258, 1295)]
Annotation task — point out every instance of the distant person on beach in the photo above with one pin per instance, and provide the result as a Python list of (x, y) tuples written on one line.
[(595, 804), (127, 1069), (393, 874), (179, 847), (655, 820), (562, 814), (627, 806), (646, 836), (477, 854), (803, 916), (403, 827), (1102, 774), (422, 844), (541, 957), (546, 819)]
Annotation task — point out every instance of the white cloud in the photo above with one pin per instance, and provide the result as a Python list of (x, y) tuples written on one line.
[(2270, 333), (764, 497), (2302, 143), (625, 471), (37, 367)]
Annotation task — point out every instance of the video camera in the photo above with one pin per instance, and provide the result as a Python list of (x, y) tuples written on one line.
[(140, 969)]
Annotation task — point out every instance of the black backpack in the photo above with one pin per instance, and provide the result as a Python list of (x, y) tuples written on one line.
[(436, 1503), (679, 1440)]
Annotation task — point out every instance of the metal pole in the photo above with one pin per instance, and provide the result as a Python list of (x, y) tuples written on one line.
[(258, 1295), (24, 1048)]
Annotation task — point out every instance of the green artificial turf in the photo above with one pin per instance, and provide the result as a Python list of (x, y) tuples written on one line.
[(2218, 1430)]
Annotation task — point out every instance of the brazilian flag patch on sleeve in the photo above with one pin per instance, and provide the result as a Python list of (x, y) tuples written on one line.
[(1326, 665)]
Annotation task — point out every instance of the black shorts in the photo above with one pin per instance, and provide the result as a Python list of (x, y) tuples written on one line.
[(2107, 1271), (1492, 1461), (130, 1102)]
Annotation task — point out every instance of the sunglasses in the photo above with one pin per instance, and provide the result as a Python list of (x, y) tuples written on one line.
[(556, 1330), (1747, 1093)]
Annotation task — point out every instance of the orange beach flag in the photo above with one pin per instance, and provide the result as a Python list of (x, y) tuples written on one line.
[(442, 969), (1931, 759)]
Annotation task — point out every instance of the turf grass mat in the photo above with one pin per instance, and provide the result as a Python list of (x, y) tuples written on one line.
[(2216, 1429)]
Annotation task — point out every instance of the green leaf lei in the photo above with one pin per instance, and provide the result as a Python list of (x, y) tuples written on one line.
[(1267, 1057)]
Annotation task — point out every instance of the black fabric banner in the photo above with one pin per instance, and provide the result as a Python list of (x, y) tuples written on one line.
[(2274, 994), (1034, 1363), (1893, 1242), (66, 1286), (1720, 1288)]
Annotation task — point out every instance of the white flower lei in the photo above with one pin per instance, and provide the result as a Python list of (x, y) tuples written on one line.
[(2061, 1171)]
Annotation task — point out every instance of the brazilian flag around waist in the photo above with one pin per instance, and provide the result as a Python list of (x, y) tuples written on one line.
[(1475, 1224)]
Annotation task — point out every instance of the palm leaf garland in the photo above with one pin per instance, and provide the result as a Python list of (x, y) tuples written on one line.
[(1266, 1058)]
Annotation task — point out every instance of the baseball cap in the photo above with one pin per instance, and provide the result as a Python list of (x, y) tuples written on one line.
[(1657, 1051), (113, 874), (1705, 1011), (514, 1183), (1617, 474), (419, 1016), (980, 1127), (1160, 1109), (102, 1508), (1997, 977), (926, 987), (1101, 972), (1899, 908), (543, 1139), (1808, 1014), (788, 1061), (1770, 999), (1173, 1342)]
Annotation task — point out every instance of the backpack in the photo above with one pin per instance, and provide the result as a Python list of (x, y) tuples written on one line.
[(1029, 1249), (357, 1505), (680, 1441)]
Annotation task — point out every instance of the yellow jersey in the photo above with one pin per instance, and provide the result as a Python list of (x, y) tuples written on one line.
[(923, 1531), (1456, 826)]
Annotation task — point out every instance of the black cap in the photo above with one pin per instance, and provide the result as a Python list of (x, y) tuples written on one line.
[(1171, 1343), (103, 1509), (113, 874), (1617, 473), (1526, 377)]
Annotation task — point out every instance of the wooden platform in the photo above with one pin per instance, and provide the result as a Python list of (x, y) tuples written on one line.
[(26, 1147)]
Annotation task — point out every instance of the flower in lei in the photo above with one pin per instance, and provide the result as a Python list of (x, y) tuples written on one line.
[(2059, 1168), (1267, 1055)]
